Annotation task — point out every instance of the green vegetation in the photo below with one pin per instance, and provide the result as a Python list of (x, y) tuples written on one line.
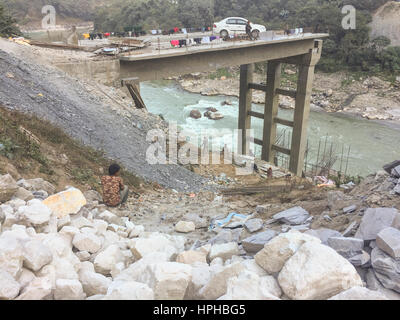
[(7, 24)]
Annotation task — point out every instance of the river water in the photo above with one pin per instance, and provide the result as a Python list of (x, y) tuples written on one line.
[(371, 144)]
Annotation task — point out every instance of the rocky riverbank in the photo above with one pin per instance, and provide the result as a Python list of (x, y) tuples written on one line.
[(371, 97), (166, 245)]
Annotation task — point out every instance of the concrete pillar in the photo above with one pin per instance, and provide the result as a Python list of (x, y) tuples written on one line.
[(271, 110), (245, 101), (302, 109)]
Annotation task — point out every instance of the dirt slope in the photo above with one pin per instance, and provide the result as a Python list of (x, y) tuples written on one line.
[(386, 22)]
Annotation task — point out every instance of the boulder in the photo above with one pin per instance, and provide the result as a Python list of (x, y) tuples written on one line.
[(36, 255), (25, 277), (359, 293), (169, 280), (252, 266), (38, 289), (129, 290), (387, 269), (191, 257), (11, 255), (66, 202), (8, 187), (142, 246), (214, 115), (37, 184), (87, 242), (109, 217), (195, 114), (92, 195), (9, 288), (67, 289), (317, 271), (388, 240), (253, 225), (224, 251), (255, 243), (185, 227), (23, 194), (323, 234), (94, 283), (81, 222), (362, 259), (61, 268), (218, 283), (201, 274), (346, 247), (375, 220), (35, 213), (293, 216), (374, 284), (107, 258), (277, 251)]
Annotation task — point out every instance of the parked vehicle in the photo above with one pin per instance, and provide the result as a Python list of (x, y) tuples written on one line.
[(236, 25)]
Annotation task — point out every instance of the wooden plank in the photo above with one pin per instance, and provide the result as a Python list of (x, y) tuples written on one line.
[(256, 114), (281, 149), (284, 122), (258, 141), (289, 93), (258, 86)]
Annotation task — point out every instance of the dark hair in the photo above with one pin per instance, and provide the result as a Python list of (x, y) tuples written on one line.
[(113, 169)]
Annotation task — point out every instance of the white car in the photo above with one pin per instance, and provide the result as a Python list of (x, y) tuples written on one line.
[(236, 25)]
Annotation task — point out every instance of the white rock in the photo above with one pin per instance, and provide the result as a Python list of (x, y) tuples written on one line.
[(64, 221), (129, 290), (81, 222), (34, 213), (143, 246), (59, 244), (37, 185), (107, 258), (224, 251), (100, 226), (67, 289), (277, 251), (191, 256), (36, 255), (169, 280), (317, 271), (217, 286), (11, 255), (136, 231), (185, 226), (9, 288), (94, 283), (69, 231), (252, 266), (64, 269), (201, 274), (37, 289), (388, 240), (23, 194), (83, 255), (26, 276), (87, 242), (359, 293)]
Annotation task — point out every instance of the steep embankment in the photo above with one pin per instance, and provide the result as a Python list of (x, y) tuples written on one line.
[(386, 22), (65, 102)]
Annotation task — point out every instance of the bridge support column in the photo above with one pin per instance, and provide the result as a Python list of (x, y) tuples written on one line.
[(245, 101), (302, 108), (271, 110)]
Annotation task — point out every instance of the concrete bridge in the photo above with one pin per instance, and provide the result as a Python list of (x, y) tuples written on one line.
[(303, 51)]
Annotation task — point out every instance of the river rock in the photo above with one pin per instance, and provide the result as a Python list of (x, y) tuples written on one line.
[(214, 115), (67, 289), (293, 216), (195, 114), (38, 289), (346, 247), (9, 288), (224, 251), (277, 251), (169, 280), (323, 234), (87, 242), (254, 225), (185, 227), (387, 269), (388, 240), (375, 220), (191, 257), (396, 172), (359, 293), (129, 290), (8, 187), (11, 255), (201, 274), (255, 243), (66, 202), (217, 286), (35, 213), (316, 271), (36, 255), (107, 258)]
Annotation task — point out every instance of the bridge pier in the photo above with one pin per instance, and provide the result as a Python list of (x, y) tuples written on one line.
[(306, 64)]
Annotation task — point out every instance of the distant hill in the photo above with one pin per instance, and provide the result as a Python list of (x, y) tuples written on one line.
[(386, 22)]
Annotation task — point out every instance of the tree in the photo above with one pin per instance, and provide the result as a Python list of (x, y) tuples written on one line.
[(7, 24)]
